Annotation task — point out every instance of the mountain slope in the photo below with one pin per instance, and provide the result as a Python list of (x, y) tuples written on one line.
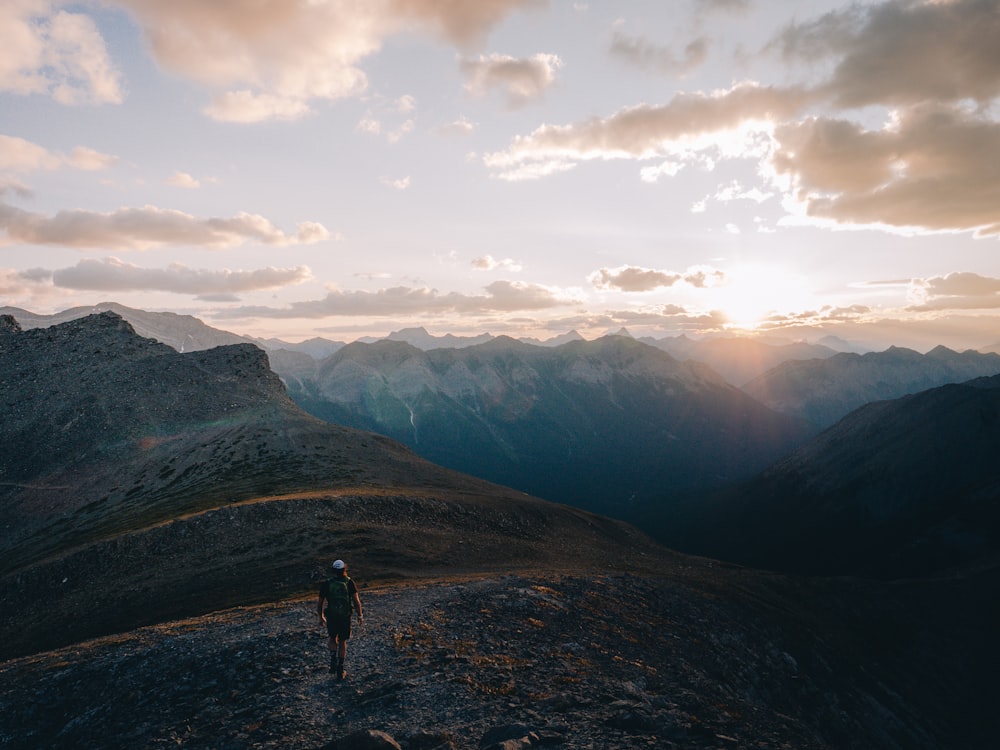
[(138, 483), (897, 488), (600, 425), (823, 391)]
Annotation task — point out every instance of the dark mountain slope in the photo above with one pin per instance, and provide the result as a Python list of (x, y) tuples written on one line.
[(138, 483), (600, 425), (897, 488), (824, 390)]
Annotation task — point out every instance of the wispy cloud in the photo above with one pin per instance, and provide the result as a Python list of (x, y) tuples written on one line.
[(520, 80), (147, 227), (489, 263), (399, 183), (501, 296), (641, 52), (647, 132), (638, 279), (183, 180), (20, 156), (114, 275)]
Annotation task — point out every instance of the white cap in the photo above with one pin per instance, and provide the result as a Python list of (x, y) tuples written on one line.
[(339, 565)]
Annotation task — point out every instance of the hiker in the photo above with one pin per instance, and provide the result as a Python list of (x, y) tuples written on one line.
[(340, 595)]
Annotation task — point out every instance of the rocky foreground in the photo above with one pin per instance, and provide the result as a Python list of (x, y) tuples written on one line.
[(517, 661)]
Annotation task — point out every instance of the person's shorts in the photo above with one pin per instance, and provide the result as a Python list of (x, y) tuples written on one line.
[(339, 627)]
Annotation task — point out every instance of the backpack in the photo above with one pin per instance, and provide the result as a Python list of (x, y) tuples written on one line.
[(338, 598)]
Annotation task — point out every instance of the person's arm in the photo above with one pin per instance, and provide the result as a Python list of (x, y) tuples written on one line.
[(357, 607), (319, 604)]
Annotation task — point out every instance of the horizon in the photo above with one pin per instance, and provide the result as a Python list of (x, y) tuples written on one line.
[(522, 168), (830, 341)]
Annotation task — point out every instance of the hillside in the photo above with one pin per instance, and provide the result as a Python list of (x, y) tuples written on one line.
[(823, 391), (897, 488), (124, 459), (601, 425)]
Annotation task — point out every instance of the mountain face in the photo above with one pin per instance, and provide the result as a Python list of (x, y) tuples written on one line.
[(897, 488), (599, 425), (182, 332), (823, 391), (739, 360), (193, 482)]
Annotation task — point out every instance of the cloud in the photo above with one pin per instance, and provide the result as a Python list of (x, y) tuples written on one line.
[(402, 183), (933, 66), (183, 180), (520, 80), (459, 127), (501, 296), (489, 263), (903, 52), (19, 156), (89, 160), (956, 291), (931, 170), (406, 104), (247, 107), (55, 53), (272, 60), (636, 279), (646, 132), (462, 23), (642, 53), (114, 275), (147, 227)]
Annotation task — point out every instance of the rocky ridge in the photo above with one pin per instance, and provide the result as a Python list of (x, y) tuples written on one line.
[(704, 657)]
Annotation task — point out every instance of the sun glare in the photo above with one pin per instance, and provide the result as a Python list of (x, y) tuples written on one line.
[(753, 292)]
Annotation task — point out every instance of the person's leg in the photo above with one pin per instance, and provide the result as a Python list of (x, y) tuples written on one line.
[(345, 633), (332, 645)]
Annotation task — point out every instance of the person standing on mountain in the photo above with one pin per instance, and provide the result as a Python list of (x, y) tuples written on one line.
[(340, 595)]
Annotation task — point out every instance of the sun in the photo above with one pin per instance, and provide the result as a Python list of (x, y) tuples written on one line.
[(753, 292)]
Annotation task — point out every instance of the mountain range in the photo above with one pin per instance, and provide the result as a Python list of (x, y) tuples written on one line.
[(825, 390), (602, 425)]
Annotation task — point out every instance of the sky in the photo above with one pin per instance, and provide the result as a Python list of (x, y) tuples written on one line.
[(348, 168)]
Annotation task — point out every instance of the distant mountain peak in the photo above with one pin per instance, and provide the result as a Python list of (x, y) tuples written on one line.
[(623, 332)]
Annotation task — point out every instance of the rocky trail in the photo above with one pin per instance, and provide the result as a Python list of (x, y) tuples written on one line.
[(505, 662)]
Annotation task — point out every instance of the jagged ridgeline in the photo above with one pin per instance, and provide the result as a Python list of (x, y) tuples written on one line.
[(138, 483)]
